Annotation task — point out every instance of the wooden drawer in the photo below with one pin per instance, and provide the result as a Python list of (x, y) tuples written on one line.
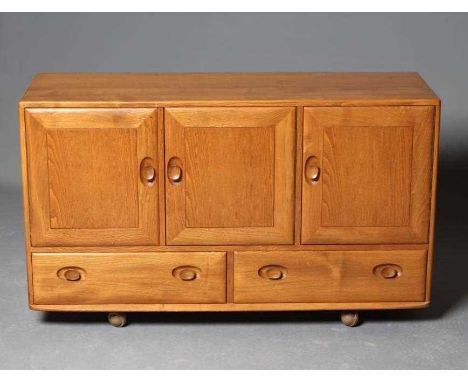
[(129, 278), (329, 276)]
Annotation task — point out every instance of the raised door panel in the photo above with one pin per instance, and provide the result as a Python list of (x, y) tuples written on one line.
[(92, 176), (230, 175), (366, 174)]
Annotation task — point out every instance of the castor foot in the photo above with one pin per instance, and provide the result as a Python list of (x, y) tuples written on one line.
[(350, 318), (117, 319)]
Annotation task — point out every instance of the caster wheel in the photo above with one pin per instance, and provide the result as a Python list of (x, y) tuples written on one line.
[(350, 318), (117, 319)]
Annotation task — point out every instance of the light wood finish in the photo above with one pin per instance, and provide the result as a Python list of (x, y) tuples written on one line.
[(231, 175), (229, 191), (25, 197), (130, 278), (84, 174), (230, 277), (161, 178), (227, 89), (229, 307), (298, 179), (328, 276), (430, 258), (216, 248), (375, 174)]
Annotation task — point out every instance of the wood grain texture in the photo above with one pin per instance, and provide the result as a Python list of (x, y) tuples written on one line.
[(362, 186), (161, 179), (237, 183), (227, 89), (229, 277), (268, 307), (228, 158), (84, 179), (435, 160), (242, 225), (216, 248), (298, 179), (25, 199), (375, 165), (83, 166), (129, 278), (338, 276)]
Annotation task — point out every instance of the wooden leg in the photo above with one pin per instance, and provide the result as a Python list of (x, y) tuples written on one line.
[(117, 319), (350, 318)]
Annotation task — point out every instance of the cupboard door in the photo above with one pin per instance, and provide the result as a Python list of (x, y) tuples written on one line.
[(230, 175), (366, 174), (92, 176)]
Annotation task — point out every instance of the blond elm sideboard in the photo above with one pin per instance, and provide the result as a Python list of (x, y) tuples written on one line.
[(229, 191)]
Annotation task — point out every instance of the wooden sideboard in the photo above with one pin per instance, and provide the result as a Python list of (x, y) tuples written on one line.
[(229, 191)]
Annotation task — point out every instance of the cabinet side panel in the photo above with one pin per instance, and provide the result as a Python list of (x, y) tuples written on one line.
[(430, 258), (25, 196)]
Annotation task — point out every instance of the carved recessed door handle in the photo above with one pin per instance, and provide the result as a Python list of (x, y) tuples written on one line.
[(174, 174), (174, 170), (312, 170), (147, 172)]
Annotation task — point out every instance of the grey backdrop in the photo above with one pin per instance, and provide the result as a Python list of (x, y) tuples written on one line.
[(435, 45)]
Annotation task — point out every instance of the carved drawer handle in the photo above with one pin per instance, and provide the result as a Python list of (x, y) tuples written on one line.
[(71, 274), (388, 271), (147, 172), (174, 170), (273, 272), (312, 170), (186, 273)]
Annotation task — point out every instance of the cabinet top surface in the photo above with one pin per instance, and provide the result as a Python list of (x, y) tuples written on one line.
[(185, 89)]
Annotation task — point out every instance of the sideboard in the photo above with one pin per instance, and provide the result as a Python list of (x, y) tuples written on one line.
[(229, 191)]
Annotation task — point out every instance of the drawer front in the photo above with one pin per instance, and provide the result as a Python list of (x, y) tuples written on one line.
[(329, 276), (129, 278)]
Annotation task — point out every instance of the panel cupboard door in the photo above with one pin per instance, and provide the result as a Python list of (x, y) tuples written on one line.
[(366, 174), (92, 176), (230, 175)]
